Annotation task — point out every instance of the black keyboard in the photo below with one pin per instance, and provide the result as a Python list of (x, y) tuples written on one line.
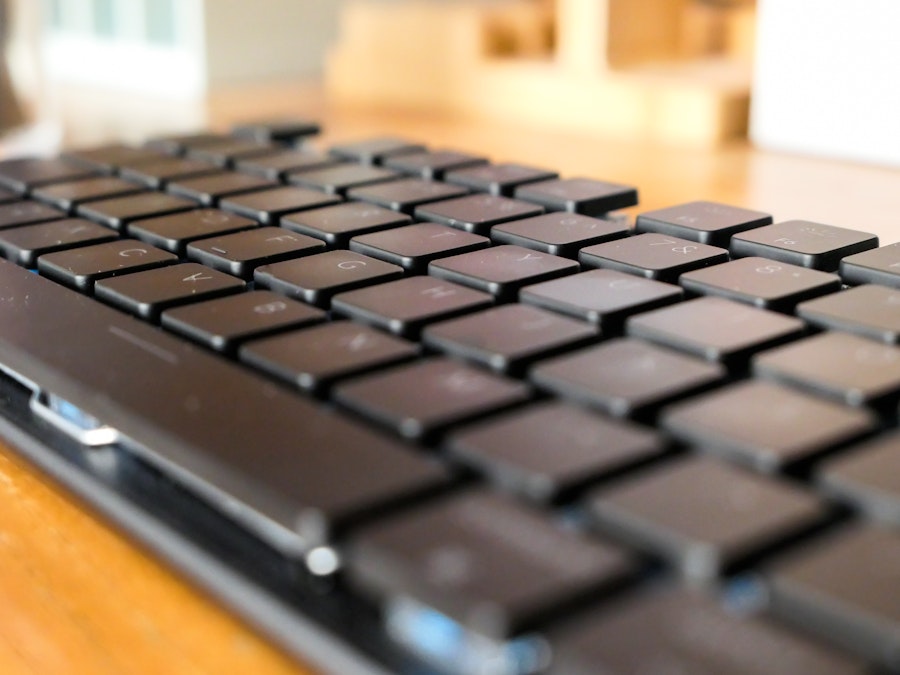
[(410, 411)]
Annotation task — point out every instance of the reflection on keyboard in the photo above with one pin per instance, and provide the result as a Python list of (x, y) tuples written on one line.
[(518, 434)]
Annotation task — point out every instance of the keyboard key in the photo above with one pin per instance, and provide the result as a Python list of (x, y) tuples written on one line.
[(550, 450), (223, 323), (625, 377), (226, 152), (562, 234), (179, 144), (433, 165), (277, 165), (866, 477), (501, 270), (500, 180), (336, 180), (119, 211), (764, 425), (67, 196), (578, 195), (702, 515), (603, 297), (313, 358), (761, 282), (506, 338), (23, 245), (157, 174), (146, 294), (287, 130), (208, 190), (316, 278), (413, 247), (174, 233), (23, 175), (422, 398), (705, 222), (240, 253), (336, 225), (27, 212), (804, 243), (108, 158), (477, 213), (406, 194), (267, 206), (875, 266), (870, 311), (81, 267), (375, 150), (405, 306), (848, 591)]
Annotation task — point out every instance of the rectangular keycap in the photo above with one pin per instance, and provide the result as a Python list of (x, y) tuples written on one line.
[(173, 233), (24, 244), (81, 267), (26, 212), (119, 211), (706, 222), (652, 255), (870, 311), (337, 225), (875, 266), (22, 175), (578, 195), (413, 247), (240, 253), (562, 234), (67, 196), (476, 213)]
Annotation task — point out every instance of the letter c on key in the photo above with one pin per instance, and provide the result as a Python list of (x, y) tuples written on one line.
[(131, 252), (351, 264)]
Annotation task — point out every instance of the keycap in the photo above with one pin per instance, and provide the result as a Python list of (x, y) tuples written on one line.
[(476, 213), (179, 143), (715, 329), (208, 190), (336, 225), (506, 338), (866, 477), (146, 294), (578, 195), (764, 425), (316, 278), (223, 323), (7, 196), (433, 165), (108, 158), (208, 413), (67, 196), (848, 591), (313, 358), (562, 234), (81, 267), (702, 515), (240, 253), (761, 282), (173, 233), (277, 165), (875, 266), (284, 130), (268, 206), (27, 212), (119, 211), (405, 306), (625, 377), (870, 311), (413, 247), (804, 243), (683, 631), (706, 222), (22, 175), (405, 194), (652, 255), (336, 180), (501, 270), (24, 244), (158, 173), (550, 450), (226, 152), (420, 399), (375, 150), (500, 180), (603, 297), (841, 366)]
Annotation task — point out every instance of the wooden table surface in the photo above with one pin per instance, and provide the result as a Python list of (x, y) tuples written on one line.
[(78, 597)]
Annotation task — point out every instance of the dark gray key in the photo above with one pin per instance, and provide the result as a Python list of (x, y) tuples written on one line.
[(316, 278), (157, 174), (487, 563), (502, 270), (277, 165), (561, 234), (81, 267), (764, 425), (603, 297), (548, 451), (226, 152), (108, 158), (651, 255), (507, 338), (7, 196), (405, 306), (477, 213), (208, 190), (425, 397), (875, 266), (405, 194), (413, 247), (866, 477), (870, 311), (174, 233), (702, 515), (67, 196), (22, 175), (194, 415), (578, 195), (313, 358), (336, 225), (119, 211), (679, 632), (267, 206), (336, 180), (240, 253), (178, 144), (286, 130), (27, 212), (848, 591), (434, 164), (500, 180), (804, 243), (715, 329), (705, 222), (761, 282), (224, 323), (375, 150), (625, 377), (146, 294), (24, 244)]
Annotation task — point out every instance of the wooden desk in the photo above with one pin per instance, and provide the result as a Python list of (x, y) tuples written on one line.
[(77, 597)]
